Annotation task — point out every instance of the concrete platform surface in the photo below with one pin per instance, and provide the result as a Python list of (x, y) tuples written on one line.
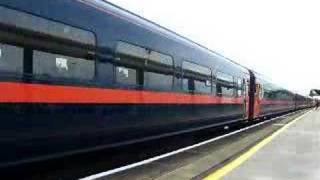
[(292, 155)]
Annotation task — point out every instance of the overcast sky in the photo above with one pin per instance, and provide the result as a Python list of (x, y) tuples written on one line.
[(278, 38)]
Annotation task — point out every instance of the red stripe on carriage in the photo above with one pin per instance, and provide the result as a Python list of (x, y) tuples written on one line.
[(12, 92)]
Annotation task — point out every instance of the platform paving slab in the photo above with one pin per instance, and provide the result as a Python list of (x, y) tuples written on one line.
[(294, 154)]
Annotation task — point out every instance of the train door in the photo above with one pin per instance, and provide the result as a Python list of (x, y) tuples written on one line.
[(257, 100), (251, 95), (246, 88)]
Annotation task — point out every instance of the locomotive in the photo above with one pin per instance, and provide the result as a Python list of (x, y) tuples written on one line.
[(83, 75)]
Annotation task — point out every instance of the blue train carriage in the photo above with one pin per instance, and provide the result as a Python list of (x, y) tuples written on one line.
[(83, 75), (80, 75)]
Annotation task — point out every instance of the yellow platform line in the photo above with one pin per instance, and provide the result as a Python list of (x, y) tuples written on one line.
[(241, 159)]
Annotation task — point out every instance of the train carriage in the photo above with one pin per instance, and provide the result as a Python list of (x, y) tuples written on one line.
[(82, 75), (270, 99)]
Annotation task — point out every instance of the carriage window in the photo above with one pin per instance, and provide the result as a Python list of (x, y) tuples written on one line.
[(240, 87), (214, 86), (130, 55), (225, 85), (130, 62), (11, 59), (149, 68), (158, 81), (60, 66), (126, 49), (126, 75), (196, 78), (159, 71), (44, 26), (160, 59)]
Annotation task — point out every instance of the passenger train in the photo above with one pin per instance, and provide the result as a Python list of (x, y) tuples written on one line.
[(83, 75)]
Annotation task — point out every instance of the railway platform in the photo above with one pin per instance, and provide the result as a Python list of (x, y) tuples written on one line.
[(285, 147), (291, 153)]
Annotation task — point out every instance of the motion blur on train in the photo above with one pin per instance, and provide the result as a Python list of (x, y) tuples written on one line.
[(84, 75)]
